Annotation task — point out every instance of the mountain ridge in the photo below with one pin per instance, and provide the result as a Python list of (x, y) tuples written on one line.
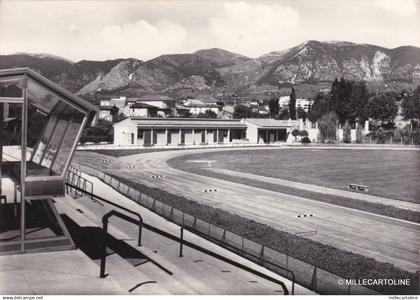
[(215, 69)]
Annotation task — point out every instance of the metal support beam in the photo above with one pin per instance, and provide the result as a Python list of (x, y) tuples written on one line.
[(23, 161), (181, 242), (11, 100)]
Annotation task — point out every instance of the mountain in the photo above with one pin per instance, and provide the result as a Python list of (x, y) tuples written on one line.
[(213, 70), (49, 66), (322, 62), (316, 62)]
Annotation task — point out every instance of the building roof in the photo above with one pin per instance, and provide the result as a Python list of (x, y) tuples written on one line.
[(183, 123), (155, 98), (229, 109), (180, 107), (142, 105), (198, 103), (206, 98), (272, 123)]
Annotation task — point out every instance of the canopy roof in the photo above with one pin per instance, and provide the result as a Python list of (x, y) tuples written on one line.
[(44, 94)]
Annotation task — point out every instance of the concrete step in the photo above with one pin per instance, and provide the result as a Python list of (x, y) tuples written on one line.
[(133, 279)]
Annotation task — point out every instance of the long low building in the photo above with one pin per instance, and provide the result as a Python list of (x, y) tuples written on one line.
[(177, 131)]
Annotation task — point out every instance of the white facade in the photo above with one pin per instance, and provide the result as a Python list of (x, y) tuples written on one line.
[(164, 131), (125, 133), (104, 114), (201, 110), (300, 102), (139, 112)]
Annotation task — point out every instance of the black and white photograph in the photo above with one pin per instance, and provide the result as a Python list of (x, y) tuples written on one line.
[(209, 147)]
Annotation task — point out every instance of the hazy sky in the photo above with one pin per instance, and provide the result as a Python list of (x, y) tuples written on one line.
[(145, 29)]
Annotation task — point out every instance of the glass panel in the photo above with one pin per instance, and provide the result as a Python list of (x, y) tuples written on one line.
[(58, 134), (41, 98), (64, 152), (46, 136), (36, 122), (11, 87)]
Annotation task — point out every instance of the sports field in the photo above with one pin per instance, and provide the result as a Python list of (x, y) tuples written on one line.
[(389, 173)]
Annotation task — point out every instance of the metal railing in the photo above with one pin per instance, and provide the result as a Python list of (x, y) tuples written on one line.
[(181, 241), (75, 179), (306, 274), (105, 219)]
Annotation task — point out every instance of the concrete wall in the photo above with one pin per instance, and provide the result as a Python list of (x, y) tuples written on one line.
[(188, 137), (252, 133), (174, 137), (198, 110), (160, 137), (123, 135), (210, 136), (139, 112), (197, 136)]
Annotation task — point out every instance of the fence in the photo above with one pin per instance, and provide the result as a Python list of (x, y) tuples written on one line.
[(305, 274)]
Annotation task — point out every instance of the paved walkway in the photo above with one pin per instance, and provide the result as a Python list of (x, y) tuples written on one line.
[(53, 273)]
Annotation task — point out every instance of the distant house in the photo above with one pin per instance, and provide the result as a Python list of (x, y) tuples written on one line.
[(181, 110), (263, 131), (119, 102), (143, 110), (131, 100), (300, 102), (159, 101), (227, 112), (164, 104), (196, 106), (105, 113)]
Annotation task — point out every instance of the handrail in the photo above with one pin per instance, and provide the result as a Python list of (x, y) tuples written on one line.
[(226, 246), (72, 174), (186, 243), (105, 229)]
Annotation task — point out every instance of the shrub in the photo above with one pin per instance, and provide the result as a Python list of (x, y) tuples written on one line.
[(305, 140), (295, 132), (359, 134), (347, 133), (303, 133)]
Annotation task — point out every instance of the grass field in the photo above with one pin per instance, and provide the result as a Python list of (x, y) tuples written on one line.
[(388, 173)]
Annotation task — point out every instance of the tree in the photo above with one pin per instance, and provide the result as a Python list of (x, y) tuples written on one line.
[(383, 108), (241, 111), (208, 114), (292, 104), (411, 107), (327, 125), (301, 113), (283, 114), (357, 108), (101, 132), (274, 107), (114, 113), (319, 108)]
